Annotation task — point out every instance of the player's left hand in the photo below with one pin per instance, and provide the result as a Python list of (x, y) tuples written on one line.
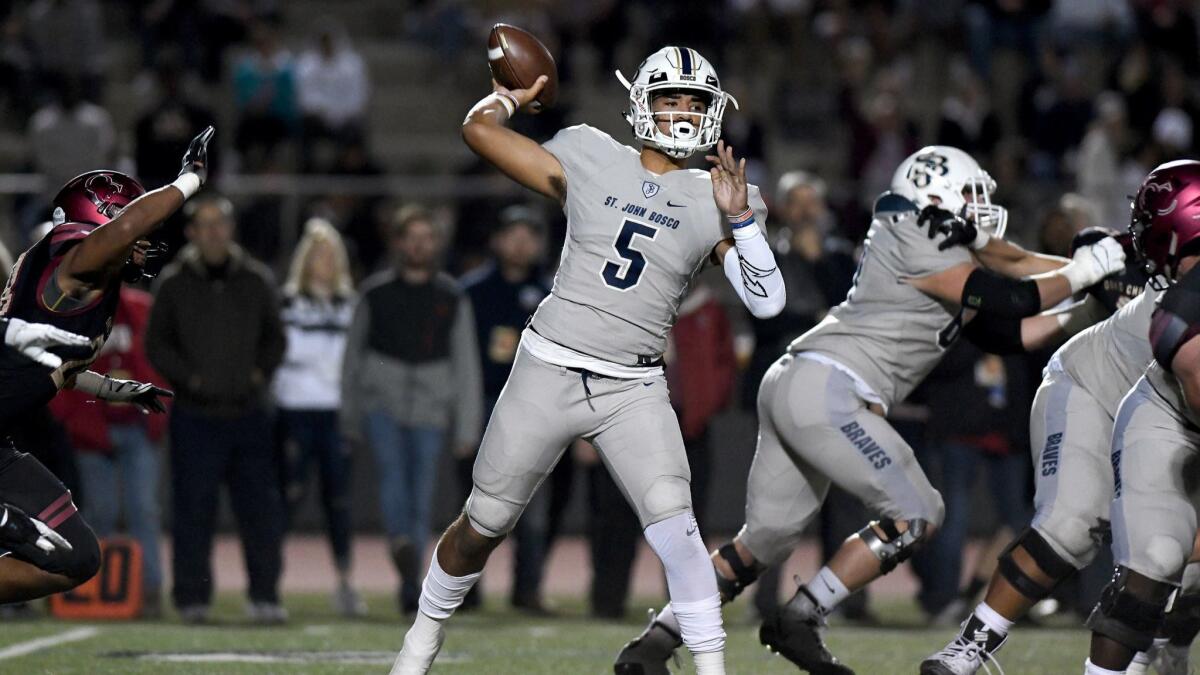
[(142, 394), (728, 180), (195, 160), (958, 231), (33, 339)]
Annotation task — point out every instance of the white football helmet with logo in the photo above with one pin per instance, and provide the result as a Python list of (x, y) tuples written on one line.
[(676, 68), (952, 179)]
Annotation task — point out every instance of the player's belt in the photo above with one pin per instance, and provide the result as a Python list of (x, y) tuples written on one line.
[(643, 360)]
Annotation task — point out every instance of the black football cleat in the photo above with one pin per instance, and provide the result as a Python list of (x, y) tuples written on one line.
[(794, 631), (649, 653)]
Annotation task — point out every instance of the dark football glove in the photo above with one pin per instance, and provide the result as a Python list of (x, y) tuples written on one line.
[(195, 160), (26, 536), (958, 232), (142, 394)]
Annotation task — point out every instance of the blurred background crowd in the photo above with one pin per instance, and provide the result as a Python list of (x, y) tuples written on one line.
[(343, 308)]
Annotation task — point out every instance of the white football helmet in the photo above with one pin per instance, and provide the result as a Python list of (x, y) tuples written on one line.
[(674, 68), (956, 181)]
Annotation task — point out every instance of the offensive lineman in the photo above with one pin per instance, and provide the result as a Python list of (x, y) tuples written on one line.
[(821, 406), (639, 228), (1070, 430), (1155, 435), (71, 279)]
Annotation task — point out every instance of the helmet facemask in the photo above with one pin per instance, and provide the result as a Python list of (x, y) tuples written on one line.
[(978, 207), (656, 78)]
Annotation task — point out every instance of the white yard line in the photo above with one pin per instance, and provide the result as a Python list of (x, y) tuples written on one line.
[(30, 646)]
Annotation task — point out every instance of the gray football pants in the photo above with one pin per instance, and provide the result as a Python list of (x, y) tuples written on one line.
[(543, 408), (1070, 438), (1153, 453), (813, 430)]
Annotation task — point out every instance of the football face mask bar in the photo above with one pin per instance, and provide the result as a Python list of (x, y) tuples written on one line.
[(685, 139)]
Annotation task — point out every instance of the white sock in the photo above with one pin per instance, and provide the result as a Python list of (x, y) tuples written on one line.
[(992, 619), (709, 663), (827, 590), (441, 593), (1090, 668), (667, 618), (691, 582)]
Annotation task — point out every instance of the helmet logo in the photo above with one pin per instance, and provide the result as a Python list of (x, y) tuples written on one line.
[(1170, 209), (1158, 187), (925, 166), (649, 189), (101, 189)]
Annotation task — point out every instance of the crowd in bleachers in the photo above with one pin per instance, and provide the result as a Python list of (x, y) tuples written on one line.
[(1068, 104)]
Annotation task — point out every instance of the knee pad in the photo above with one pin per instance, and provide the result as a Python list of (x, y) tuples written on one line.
[(743, 574), (79, 564), (1043, 556), (665, 497), (1126, 618), (898, 546), (491, 516)]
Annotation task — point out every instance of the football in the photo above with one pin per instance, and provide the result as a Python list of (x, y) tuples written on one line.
[(517, 59)]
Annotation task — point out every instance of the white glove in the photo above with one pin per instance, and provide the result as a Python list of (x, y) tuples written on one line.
[(32, 339), (1093, 262)]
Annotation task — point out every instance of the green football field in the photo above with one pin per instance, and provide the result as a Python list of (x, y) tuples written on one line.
[(492, 641)]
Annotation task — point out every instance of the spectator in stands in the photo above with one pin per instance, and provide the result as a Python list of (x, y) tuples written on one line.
[(68, 39), (332, 85), (504, 293), (411, 385), (215, 334), (118, 447), (967, 120), (166, 128), (67, 136), (265, 94), (317, 302), (701, 367), (1099, 164)]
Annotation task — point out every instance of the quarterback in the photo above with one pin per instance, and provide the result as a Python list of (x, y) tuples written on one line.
[(640, 225)]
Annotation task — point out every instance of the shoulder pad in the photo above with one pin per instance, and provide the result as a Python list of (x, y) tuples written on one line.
[(890, 202), (1177, 319)]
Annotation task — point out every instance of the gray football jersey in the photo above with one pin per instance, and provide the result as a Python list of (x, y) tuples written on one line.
[(1167, 386), (1109, 357), (889, 333), (634, 242)]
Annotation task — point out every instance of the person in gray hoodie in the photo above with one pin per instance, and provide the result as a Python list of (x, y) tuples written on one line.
[(411, 384)]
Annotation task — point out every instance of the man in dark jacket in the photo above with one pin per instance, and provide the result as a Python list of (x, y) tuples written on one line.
[(504, 292), (215, 334)]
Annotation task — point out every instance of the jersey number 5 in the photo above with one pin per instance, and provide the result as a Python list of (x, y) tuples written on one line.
[(625, 275)]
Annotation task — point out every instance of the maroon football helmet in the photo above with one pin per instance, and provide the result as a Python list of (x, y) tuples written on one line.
[(1165, 223), (95, 197)]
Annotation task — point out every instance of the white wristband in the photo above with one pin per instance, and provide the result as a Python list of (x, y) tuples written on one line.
[(188, 184), (509, 105)]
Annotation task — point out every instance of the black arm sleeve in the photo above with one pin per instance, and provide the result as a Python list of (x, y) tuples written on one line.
[(995, 334), (1001, 296)]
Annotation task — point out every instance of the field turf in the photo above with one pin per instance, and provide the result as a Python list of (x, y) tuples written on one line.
[(494, 641)]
